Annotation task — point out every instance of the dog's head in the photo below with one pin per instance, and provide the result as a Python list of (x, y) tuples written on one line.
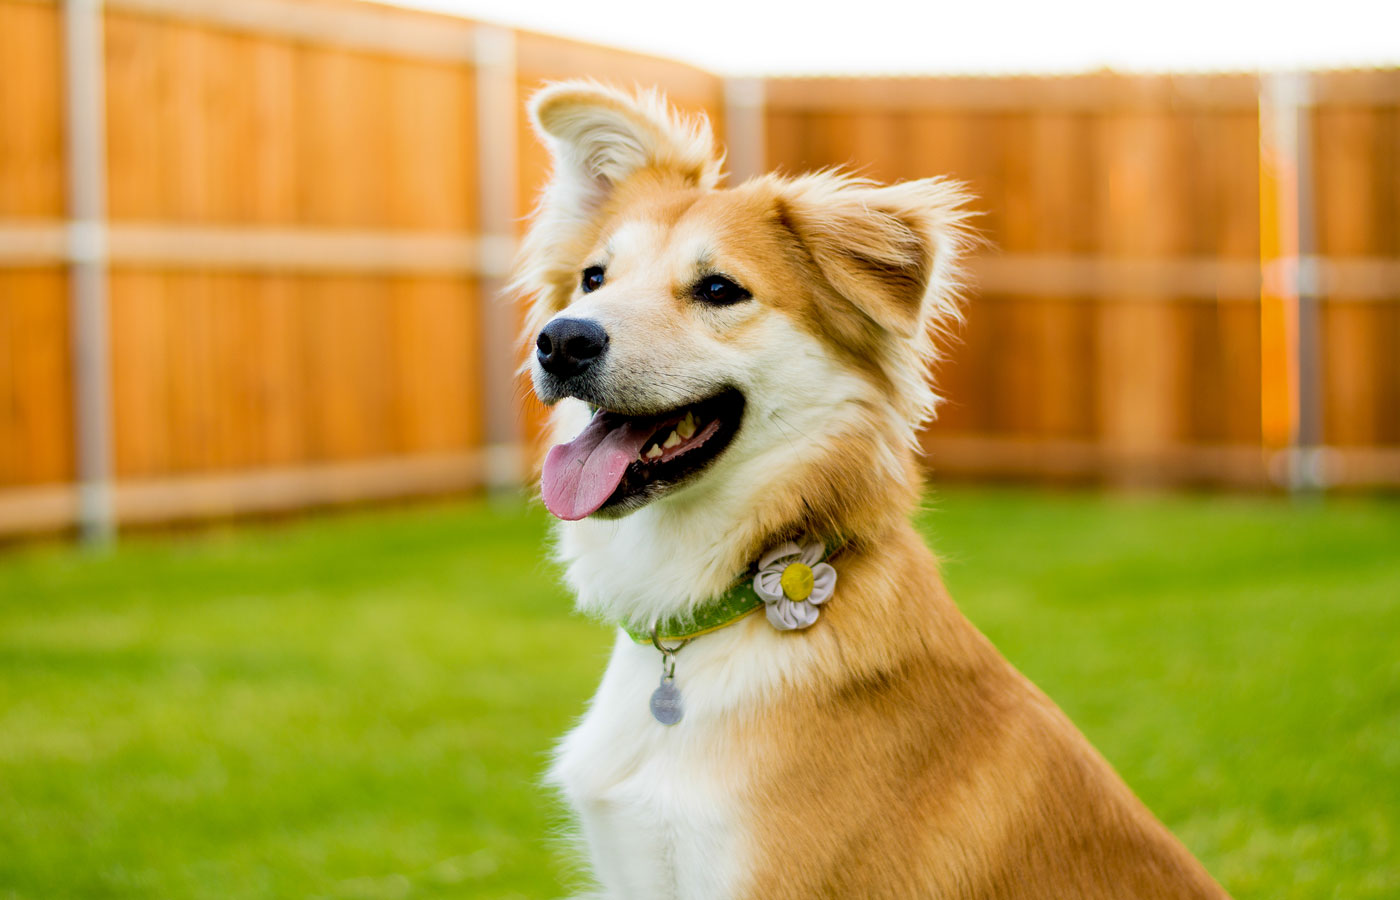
[(699, 342)]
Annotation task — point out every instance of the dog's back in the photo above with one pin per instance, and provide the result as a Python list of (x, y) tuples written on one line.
[(931, 768)]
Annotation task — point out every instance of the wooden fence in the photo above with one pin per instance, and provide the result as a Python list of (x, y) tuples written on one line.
[(299, 211)]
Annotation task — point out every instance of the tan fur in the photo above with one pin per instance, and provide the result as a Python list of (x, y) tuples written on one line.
[(923, 765), (903, 756)]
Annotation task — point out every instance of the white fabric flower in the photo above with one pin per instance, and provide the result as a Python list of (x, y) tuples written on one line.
[(793, 581)]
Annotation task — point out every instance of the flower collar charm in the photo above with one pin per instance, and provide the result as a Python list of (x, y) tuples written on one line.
[(792, 581)]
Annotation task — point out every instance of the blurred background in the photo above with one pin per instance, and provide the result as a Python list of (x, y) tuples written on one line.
[(250, 255)]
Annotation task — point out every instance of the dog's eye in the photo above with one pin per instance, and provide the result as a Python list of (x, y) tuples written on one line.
[(592, 279), (717, 290)]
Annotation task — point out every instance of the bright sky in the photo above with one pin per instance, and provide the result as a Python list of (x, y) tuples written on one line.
[(751, 37)]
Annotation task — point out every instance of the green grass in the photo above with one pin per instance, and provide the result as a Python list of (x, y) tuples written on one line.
[(360, 706)]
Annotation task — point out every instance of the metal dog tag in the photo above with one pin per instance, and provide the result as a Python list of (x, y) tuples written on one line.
[(666, 701)]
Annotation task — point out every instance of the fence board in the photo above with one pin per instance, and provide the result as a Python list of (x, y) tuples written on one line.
[(141, 377), (431, 164), (435, 327), (282, 398), (1358, 209), (135, 152), (31, 155), (36, 433), (342, 105)]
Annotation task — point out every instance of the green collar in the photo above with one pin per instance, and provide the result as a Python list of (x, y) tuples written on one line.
[(734, 604), (728, 608)]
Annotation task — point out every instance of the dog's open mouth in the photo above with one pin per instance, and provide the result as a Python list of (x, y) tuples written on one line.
[(619, 462)]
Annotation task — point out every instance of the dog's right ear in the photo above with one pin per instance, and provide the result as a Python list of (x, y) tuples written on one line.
[(599, 138)]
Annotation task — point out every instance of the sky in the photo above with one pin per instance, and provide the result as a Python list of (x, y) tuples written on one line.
[(751, 37)]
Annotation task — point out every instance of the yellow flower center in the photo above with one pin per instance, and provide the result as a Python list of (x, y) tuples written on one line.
[(797, 581)]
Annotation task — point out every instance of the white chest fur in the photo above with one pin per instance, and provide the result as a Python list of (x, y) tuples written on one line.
[(658, 805)]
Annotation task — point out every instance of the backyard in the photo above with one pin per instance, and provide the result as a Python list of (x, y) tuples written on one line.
[(361, 705)]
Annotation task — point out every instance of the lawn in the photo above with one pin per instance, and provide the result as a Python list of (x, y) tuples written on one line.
[(360, 706)]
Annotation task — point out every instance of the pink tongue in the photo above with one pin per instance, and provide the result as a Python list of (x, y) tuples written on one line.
[(580, 476)]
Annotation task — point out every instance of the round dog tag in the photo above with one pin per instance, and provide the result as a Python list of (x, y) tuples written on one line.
[(666, 702)]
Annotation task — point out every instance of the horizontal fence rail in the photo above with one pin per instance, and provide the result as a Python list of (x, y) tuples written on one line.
[(310, 207), (254, 249)]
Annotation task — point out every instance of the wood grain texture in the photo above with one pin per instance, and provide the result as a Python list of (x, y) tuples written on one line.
[(1358, 187), (31, 136), (36, 430)]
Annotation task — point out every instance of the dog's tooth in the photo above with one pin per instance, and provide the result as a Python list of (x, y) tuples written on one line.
[(672, 440), (654, 452), (686, 428)]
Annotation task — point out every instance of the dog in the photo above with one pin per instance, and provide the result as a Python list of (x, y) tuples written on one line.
[(794, 707)]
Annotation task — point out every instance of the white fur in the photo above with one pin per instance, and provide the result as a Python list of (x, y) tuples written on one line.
[(659, 806)]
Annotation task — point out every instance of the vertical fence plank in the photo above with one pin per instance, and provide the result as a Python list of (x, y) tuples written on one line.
[(431, 156), (36, 427), (136, 151), (344, 146), (782, 140), (1064, 386), (35, 379), (1139, 338), (31, 142), (1348, 211), (1015, 391), (1387, 245), (436, 335), (1229, 153), (283, 391), (141, 375)]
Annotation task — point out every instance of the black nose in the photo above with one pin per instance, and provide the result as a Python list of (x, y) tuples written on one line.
[(568, 347)]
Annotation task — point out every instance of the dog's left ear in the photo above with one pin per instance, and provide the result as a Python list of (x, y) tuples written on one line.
[(891, 251)]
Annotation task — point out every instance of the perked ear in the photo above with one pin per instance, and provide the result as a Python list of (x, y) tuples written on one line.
[(889, 250), (600, 136)]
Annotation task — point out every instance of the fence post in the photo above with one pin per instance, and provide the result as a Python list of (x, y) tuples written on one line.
[(745, 127), (1291, 378), (85, 122), (497, 99)]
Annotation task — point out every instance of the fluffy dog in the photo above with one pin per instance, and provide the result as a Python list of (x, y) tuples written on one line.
[(737, 376)]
